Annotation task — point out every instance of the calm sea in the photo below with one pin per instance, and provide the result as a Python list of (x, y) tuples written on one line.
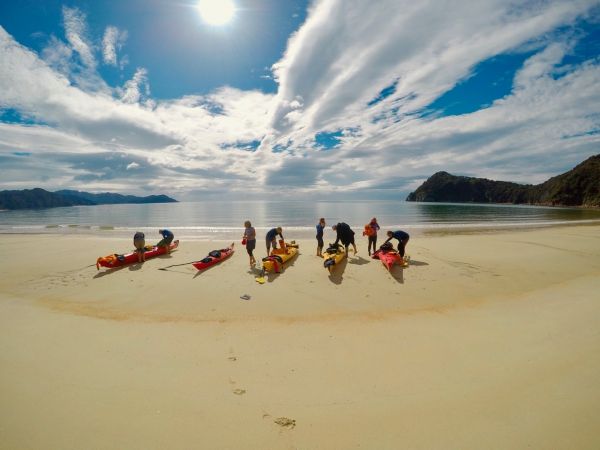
[(224, 220)]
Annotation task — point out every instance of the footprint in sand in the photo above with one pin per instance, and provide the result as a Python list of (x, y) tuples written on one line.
[(285, 422)]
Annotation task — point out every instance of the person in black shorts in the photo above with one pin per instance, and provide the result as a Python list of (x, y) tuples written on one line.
[(250, 240), (320, 228), (344, 234), (139, 242)]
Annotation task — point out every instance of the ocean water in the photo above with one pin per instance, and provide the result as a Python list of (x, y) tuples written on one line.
[(224, 220)]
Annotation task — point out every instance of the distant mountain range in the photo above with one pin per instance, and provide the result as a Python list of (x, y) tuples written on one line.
[(577, 187), (40, 198)]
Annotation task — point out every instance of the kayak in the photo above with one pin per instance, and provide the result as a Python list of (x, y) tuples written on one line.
[(389, 258), (214, 257), (333, 255), (116, 260), (279, 256)]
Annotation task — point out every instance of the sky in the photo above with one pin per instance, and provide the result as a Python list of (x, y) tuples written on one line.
[(294, 99)]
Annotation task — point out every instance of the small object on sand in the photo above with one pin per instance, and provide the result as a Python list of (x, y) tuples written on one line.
[(261, 278), (285, 422), (245, 297), (239, 391)]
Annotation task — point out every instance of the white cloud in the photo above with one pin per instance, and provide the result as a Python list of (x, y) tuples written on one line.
[(349, 51), (112, 42), (134, 89), (132, 166), (76, 34), (58, 56)]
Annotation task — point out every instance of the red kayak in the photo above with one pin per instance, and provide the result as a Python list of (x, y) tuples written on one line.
[(214, 257), (116, 260), (388, 258)]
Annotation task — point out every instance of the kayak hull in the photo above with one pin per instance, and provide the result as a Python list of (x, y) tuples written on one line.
[(389, 258), (116, 260), (211, 260)]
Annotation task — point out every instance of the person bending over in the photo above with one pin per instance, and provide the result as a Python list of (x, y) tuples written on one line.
[(402, 237), (271, 238), (345, 235), (166, 240)]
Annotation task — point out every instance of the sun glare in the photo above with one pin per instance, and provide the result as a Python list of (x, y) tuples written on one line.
[(216, 12)]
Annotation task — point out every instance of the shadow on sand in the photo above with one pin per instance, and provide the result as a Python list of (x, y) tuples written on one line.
[(417, 263), (397, 271), (359, 261), (108, 271), (336, 273), (272, 276)]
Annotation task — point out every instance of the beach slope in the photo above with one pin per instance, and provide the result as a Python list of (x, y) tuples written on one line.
[(487, 340)]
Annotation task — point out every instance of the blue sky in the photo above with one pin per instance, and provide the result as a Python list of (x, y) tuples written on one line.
[(338, 98)]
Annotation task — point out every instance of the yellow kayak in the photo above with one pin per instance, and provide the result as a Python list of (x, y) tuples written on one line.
[(332, 256), (278, 257)]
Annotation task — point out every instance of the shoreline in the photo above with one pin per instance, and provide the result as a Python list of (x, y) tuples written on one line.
[(304, 232), (481, 334)]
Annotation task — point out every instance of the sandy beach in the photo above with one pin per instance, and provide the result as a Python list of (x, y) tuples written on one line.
[(486, 341)]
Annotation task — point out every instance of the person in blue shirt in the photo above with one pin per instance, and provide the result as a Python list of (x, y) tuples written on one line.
[(271, 238), (320, 228), (166, 240), (402, 237)]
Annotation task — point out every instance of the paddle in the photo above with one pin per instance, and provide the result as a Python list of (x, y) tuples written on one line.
[(175, 265)]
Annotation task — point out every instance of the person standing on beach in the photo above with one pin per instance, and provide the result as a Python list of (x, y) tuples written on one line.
[(402, 237), (139, 242), (166, 240), (344, 234), (249, 240), (320, 228), (371, 232), (271, 241)]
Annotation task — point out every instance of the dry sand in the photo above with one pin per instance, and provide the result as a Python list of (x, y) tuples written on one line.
[(487, 341)]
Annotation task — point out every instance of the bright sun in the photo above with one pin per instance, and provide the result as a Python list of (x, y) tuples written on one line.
[(216, 12)]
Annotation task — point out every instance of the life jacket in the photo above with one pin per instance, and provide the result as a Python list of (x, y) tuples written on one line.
[(107, 261), (276, 261), (369, 230)]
